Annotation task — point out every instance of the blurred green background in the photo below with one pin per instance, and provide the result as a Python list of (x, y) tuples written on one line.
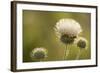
[(38, 31)]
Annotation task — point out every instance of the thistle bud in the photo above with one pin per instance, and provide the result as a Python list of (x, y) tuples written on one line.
[(82, 43)]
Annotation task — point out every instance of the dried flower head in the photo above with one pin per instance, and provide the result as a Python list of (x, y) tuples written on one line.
[(81, 43), (67, 30), (39, 53)]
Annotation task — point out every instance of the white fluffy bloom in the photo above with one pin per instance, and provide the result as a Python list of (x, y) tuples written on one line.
[(68, 26), (39, 49)]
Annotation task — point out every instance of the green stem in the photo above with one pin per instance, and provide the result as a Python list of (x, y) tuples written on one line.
[(78, 54), (66, 52)]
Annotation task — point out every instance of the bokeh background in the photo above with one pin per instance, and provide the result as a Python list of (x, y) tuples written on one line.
[(38, 31)]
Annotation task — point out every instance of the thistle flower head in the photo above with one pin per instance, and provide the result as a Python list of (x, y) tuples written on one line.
[(68, 26), (39, 53), (81, 43), (67, 30)]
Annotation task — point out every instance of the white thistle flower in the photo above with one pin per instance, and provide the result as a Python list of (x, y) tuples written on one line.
[(81, 43), (39, 53), (67, 30), (68, 26)]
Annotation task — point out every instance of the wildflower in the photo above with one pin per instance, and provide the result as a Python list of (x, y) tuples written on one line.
[(39, 53), (82, 44), (67, 30)]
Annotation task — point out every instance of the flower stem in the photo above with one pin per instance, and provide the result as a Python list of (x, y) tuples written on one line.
[(78, 54), (66, 52)]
